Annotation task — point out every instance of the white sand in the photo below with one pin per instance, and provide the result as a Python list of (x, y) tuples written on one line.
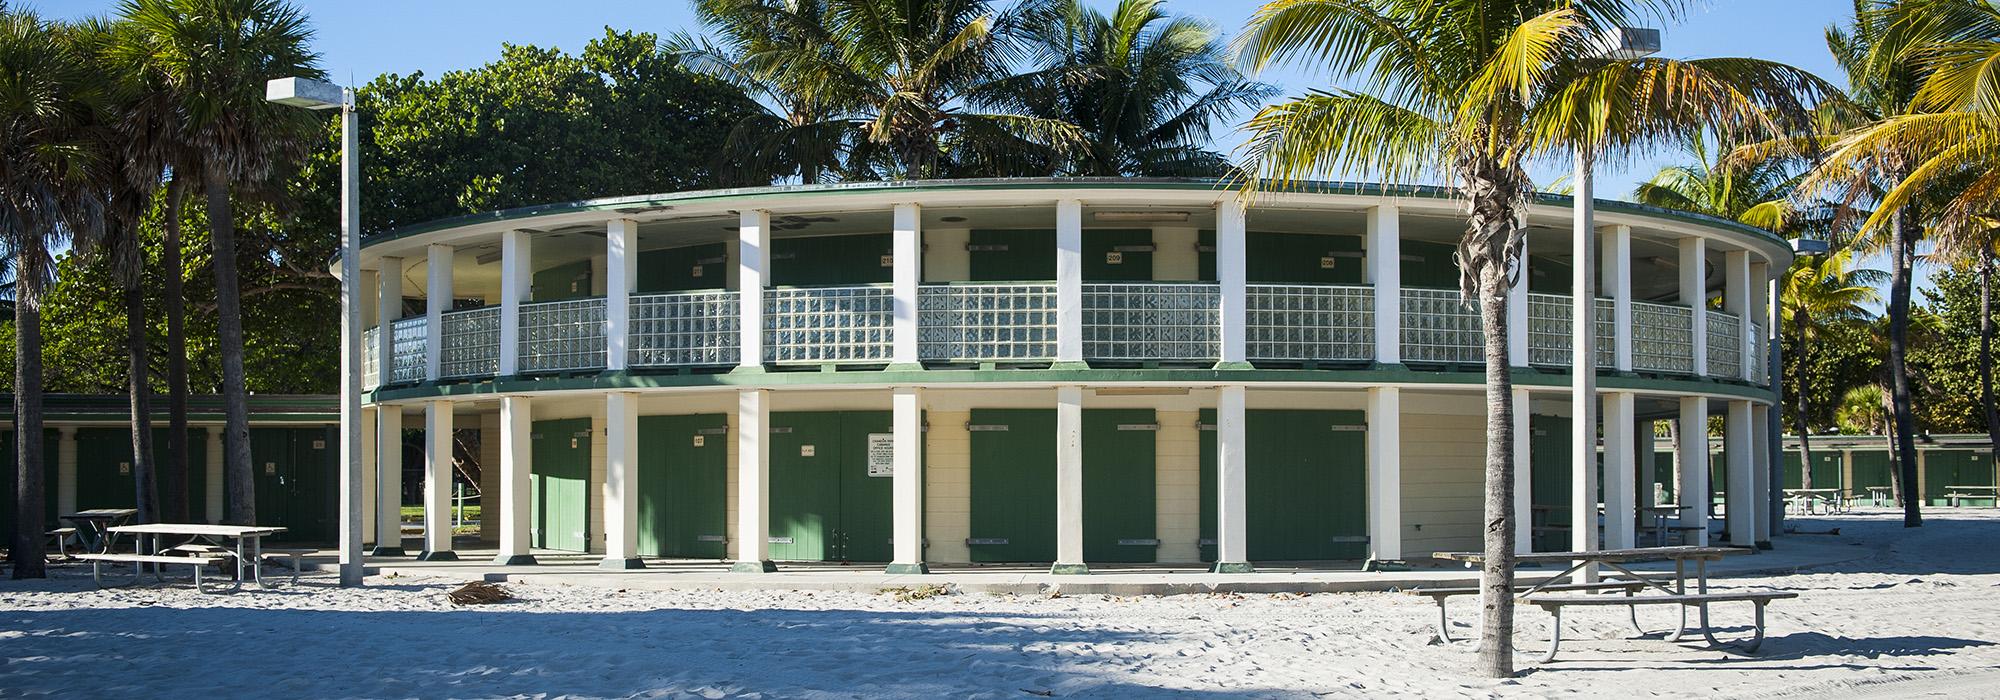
[(1920, 616)]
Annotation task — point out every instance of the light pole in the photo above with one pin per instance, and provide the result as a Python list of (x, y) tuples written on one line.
[(317, 95)]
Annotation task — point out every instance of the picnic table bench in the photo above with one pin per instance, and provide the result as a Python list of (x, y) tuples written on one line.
[(248, 552), (1957, 495), (139, 562), (1554, 605), (1439, 595), (1807, 499)]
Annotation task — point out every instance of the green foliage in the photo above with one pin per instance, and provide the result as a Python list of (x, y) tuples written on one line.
[(1943, 355), (1843, 356)]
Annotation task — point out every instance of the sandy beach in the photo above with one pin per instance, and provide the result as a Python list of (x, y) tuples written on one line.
[(1917, 615)]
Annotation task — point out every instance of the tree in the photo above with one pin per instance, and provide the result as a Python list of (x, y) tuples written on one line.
[(1945, 352), (1970, 250), (1472, 91), (50, 188), (1143, 86), (215, 57), (804, 128), (1865, 410), (1817, 293)]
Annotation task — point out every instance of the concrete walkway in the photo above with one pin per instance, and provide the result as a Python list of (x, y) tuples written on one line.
[(566, 568)]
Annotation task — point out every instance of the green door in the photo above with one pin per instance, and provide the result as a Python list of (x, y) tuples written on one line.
[(1871, 468), (1012, 255), (805, 485), (1013, 478), (197, 469), (270, 464), (867, 497), (560, 482), (104, 468), (683, 269), (1119, 512), (1549, 483), (683, 485), (1718, 475), (1825, 473), (831, 260), (1305, 480), (50, 441), (312, 485), (1945, 468), (1117, 255), (1663, 472)]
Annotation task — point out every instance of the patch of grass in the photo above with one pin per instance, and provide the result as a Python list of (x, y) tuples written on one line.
[(413, 514), (905, 594)]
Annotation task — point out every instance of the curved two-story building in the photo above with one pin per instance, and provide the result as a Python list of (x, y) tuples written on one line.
[(1067, 372)]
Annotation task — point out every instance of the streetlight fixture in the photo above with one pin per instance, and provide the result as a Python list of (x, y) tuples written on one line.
[(318, 95)]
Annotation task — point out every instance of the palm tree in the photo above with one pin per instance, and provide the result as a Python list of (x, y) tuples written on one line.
[(215, 57), (50, 135), (1864, 410), (1756, 193), (1974, 246), (1471, 92), (1818, 293), (1144, 87), (806, 128)]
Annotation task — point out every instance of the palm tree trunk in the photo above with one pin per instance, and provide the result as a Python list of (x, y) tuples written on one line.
[(30, 556), (1902, 246), (174, 475), (1496, 576), (146, 491), (236, 471), (1986, 345), (1799, 402)]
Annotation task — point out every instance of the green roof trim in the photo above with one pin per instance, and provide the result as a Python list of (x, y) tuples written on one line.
[(639, 204), (264, 408)]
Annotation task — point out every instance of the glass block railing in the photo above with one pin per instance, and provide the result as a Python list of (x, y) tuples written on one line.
[(1307, 323), (1760, 353), (470, 344), (821, 325), (562, 336), (371, 358), (1439, 329), (1548, 330), (408, 339), (1725, 351), (1662, 338), (688, 329), (1607, 333), (1146, 321), (987, 322)]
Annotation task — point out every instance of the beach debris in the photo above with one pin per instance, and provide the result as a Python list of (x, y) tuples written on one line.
[(905, 594), (479, 593)]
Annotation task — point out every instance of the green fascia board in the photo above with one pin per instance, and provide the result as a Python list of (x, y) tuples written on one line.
[(647, 203), (608, 381)]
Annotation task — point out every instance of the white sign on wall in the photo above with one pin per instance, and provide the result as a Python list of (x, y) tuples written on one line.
[(881, 454)]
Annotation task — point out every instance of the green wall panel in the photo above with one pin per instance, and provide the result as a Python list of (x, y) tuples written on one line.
[(1101, 248), (559, 479), (1550, 483), (1013, 479), (562, 282), (295, 479), (1825, 473), (1663, 471), (1945, 468), (1293, 258), (1546, 276), (683, 269), (824, 505), (1119, 511), (683, 485), (1427, 264), (1306, 480), (51, 439), (1871, 468), (830, 260), (104, 468), (1012, 255)]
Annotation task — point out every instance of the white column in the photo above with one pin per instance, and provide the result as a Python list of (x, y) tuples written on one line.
[(388, 481), (1759, 283), (1069, 481), (621, 481), (1069, 281), (215, 479), (1524, 475), (753, 246), (1691, 491), (65, 461), (437, 300), (1616, 269), (1517, 315), (1583, 372), (1620, 472), (1736, 297), (389, 310), (1231, 252), (517, 279), (1385, 273), (516, 462), (1232, 507), (1760, 472), (437, 482), (621, 278), (908, 256), (1694, 294), (1385, 473), (365, 437), (753, 481), (907, 481), (1739, 505)]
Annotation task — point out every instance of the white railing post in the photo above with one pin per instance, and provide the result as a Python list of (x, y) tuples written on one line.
[(1385, 272), (438, 470), (517, 279), (907, 254), (1385, 473), (1231, 252), (1616, 270), (753, 255), (437, 300), (1694, 295), (1737, 296), (621, 278), (1069, 282)]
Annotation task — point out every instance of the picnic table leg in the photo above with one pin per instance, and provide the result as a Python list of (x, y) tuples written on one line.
[(257, 560), (1555, 632), (1444, 624), (1680, 588), (1701, 586), (239, 562), (1757, 641)]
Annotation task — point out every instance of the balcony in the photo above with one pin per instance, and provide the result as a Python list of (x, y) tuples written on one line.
[(999, 324)]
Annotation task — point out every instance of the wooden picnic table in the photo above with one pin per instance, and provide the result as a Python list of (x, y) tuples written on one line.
[(1809, 497), (249, 550), (96, 528), (1878, 494)]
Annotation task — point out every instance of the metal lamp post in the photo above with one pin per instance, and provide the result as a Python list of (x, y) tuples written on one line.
[(318, 95)]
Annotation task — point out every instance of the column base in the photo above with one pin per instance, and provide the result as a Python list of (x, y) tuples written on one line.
[(1232, 567), (1766, 544), (904, 367), (621, 563), (1234, 365), (1070, 569), (385, 551), (1385, 565), (515, 560), (753, 567), (1387, 367), (918, 568), (438, 556), (748, 369), (1069, 364)]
